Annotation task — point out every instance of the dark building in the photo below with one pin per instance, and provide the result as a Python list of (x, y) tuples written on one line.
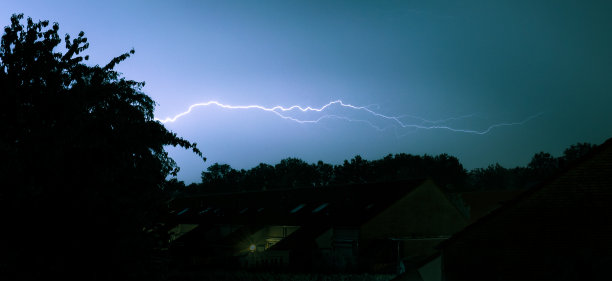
[(381, 227), (480, 203), (558, 230)]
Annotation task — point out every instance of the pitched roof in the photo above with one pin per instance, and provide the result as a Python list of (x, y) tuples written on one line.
[(582, 190), (346, 205), (481, 203), (304, 234)]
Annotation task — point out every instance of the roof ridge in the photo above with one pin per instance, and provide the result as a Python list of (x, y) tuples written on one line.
[(529, 192)]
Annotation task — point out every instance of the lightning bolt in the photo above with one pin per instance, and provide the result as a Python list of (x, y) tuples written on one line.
[(282, 112)]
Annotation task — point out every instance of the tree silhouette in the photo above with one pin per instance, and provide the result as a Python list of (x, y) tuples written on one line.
[(324, 173), (216, 173), (294, 172), (260, 177), (446, 170), (542, 166), (492, 177), (357, 170), (222, 178), (84, 165), (575, 152)]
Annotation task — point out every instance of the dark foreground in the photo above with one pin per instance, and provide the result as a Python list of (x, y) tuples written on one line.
[(274, 276)]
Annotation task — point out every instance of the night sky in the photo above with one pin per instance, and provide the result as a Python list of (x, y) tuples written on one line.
[(450, 65)]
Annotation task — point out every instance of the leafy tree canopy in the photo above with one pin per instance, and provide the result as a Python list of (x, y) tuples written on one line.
[(83, 165), (444, 169)]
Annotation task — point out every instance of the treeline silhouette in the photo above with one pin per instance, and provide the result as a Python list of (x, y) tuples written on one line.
[(445, 170)]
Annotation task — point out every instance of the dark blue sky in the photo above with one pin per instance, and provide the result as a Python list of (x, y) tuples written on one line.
[(493, 61)]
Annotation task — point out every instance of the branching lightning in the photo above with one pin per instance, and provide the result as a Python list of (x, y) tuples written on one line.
[(285, 113)]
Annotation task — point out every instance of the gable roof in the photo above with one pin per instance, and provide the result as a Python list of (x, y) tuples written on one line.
[(481, 203), (585, 186), (302, 237), (346, 205)]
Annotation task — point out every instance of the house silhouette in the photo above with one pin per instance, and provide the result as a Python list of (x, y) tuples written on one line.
[(385, 227), (558, 230)]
